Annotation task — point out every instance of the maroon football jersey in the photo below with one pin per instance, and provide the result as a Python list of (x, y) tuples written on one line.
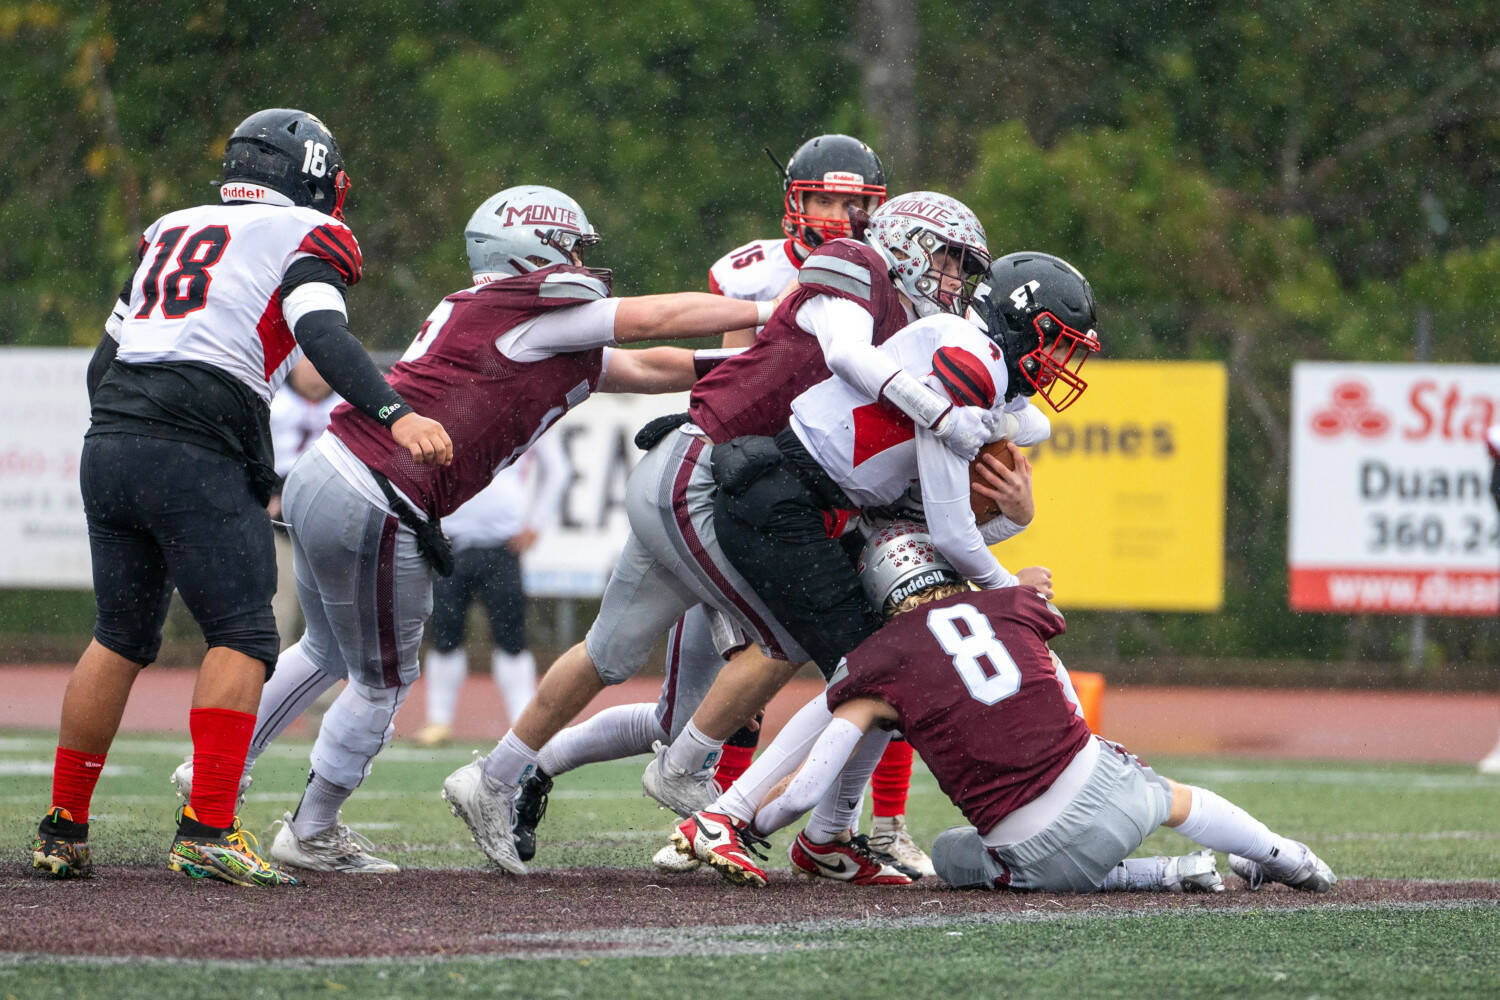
[(492, 407), (752, 392), (977, 696)]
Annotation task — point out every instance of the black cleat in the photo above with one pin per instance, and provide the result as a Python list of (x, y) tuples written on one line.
[(531, 806)]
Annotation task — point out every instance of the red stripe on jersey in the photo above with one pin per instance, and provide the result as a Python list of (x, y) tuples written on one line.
[(964, 376), (337, 245), (713, 284), (876, 428), (276, 340)]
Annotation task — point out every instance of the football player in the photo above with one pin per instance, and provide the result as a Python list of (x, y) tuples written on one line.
[(177, 467), (842, 450), (968, 677), (500, 361), (827, 179), (850, 297)]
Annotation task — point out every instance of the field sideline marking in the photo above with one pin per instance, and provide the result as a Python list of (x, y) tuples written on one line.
[(741, 939)]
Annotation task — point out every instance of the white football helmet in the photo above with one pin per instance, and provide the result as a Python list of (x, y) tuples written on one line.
[(912, 231), (899, 560), (525, 228)]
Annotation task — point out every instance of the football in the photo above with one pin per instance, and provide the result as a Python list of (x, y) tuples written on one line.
[(984, 508)]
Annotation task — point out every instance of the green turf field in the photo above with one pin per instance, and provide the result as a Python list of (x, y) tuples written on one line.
[(1371, 821)]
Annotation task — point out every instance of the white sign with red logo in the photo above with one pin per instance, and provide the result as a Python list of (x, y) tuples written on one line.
[(1390, 504)]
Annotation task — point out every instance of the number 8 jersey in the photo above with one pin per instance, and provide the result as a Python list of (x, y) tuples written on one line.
[(977, 694), (210, 283)]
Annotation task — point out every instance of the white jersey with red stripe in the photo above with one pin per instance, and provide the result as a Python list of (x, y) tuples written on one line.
[(756, 271), (877, 454), (208, 288)]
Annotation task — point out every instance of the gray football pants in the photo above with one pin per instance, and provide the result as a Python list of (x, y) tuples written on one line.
[(366, 593)]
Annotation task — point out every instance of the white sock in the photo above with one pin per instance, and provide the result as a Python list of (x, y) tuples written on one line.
[(838, 811), (509, 764), (692, 752), (296, 684), (1136, 875), (790, 747), (515, 676), (320, 805), (615, 733), (1220, 824), (444, 674)]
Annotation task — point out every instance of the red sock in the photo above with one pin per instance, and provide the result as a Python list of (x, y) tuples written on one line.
[(221, 738), (74, 775), (732, 763), (892, 779)]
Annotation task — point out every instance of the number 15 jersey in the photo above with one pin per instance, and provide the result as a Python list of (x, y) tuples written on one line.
[(210, 282), (977, 695)]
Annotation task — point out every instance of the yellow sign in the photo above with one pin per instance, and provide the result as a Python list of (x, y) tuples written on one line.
[(1130, 491)]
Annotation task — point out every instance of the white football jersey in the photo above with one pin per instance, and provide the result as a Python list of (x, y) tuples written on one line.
[(756, 271), (296, 422), (208, 288), (877, 454)]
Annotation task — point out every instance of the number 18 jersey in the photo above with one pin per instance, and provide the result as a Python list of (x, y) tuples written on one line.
[(977, 695), (208, 288)]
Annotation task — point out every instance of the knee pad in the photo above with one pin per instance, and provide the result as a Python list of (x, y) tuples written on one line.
[(355, 728), (961, 859), (618, 658)]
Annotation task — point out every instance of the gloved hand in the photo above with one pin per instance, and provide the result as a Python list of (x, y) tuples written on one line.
[(966, 429)]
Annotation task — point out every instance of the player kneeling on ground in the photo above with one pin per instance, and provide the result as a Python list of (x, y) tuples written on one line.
[(968, 678)]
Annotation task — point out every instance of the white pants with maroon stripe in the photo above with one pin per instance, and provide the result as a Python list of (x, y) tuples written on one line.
[(672, 562), (366, 594), (693, 661)]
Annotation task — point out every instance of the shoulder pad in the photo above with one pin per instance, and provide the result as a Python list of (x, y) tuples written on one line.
[(566, 283), (335, 243), (842, 266)]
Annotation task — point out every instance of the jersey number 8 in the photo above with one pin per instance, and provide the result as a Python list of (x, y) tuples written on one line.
[(968, 647)]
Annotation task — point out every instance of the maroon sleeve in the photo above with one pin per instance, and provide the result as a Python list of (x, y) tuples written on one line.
[(966, 378), (336, 244)]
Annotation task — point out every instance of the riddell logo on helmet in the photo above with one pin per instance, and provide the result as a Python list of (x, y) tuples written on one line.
[(835, 178), (240, 190), (919, 208), (540, 215), (917, 584)]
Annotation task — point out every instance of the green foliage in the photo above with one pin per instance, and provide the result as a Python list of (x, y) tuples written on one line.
[(1249, 184)]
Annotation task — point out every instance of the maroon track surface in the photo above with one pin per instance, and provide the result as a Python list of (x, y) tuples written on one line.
[(593, 910), (1252, 722)]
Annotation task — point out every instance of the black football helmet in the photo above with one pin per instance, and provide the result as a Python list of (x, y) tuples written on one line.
[(836, 164), (290, 152), (1040, 310)]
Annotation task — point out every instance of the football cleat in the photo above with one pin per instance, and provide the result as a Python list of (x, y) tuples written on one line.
[(1196, 872), (674, 862), (336, 849), (849, 860), (1306, 871), (531, 806), (888, 835), (683, 792), (489, 813), (182, 780), (434, 734), (200, 851), (724, 844), (62, 846)]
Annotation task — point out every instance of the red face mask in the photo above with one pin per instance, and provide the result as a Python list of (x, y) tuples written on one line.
[(1053, 367)]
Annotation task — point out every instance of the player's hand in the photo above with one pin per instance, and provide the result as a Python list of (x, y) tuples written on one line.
[(425, 438), (966, 429), (1038, 578), (521, 541), (1009, 489)]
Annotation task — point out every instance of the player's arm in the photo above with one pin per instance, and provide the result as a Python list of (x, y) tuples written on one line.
[(811, 781), (846, 332), (1032, 425), (680, 315), (651, 369), (950, 518), (313, 305)]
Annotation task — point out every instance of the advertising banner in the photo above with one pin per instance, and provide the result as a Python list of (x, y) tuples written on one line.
[(1390, 506)]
